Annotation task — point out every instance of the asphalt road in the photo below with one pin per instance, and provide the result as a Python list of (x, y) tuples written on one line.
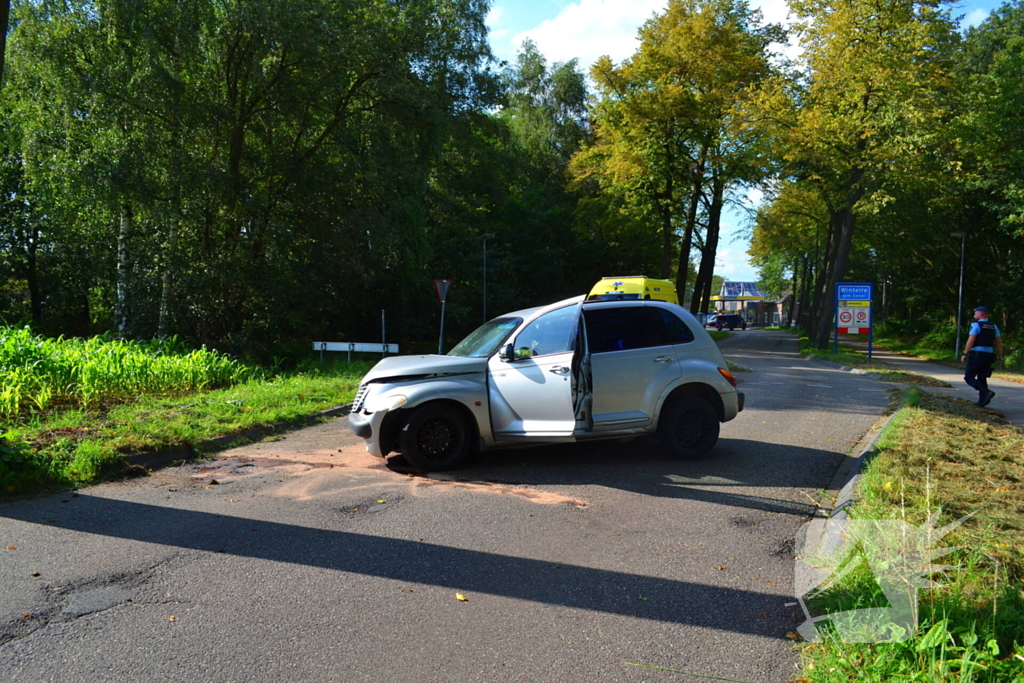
[(308, 560)]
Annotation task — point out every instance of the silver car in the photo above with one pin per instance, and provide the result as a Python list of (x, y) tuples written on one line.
[(570, 371)]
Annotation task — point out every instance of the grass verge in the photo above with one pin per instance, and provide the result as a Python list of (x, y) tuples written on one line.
[(718, 335), (853, 359), (946, 456), (916, 347), (78, 446)]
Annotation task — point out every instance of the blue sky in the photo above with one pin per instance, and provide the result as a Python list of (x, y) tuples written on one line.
[(586, 29)]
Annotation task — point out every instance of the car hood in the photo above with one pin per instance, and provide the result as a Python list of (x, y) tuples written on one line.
[(410, 367)]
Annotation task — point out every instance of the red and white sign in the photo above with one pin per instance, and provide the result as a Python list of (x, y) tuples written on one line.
[(442, 287)]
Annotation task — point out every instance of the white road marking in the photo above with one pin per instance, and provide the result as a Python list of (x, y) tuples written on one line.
[(824, 386)]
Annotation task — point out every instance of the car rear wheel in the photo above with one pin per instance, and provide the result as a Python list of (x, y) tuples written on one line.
[(688, 427), (435, 437)]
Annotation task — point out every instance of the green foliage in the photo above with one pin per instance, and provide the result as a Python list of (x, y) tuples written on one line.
[(970, 626), (21, 469), (37, 372)]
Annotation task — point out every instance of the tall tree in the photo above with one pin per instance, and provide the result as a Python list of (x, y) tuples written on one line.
[(869, 104), (670, 125)]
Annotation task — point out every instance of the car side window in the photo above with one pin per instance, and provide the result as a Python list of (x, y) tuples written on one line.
[(553, 332), (622, 328), (677, 330)]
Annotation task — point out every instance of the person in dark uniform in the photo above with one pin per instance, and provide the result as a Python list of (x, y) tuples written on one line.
[(984, 347)]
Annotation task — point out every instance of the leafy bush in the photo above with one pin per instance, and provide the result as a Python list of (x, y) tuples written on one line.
[(21, 469)]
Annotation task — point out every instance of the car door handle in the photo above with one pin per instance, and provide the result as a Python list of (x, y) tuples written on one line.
[(663, 359), (559, 370)]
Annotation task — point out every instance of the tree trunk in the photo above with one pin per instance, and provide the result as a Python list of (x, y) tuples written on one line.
[(707, 260), (683, 272), (122, 268), (842, 225), (5, 14), (32, 275), (667, 230), (170, 259), (793, 293), (170, 249)]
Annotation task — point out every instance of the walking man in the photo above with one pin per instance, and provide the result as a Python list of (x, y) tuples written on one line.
[(981, 352)]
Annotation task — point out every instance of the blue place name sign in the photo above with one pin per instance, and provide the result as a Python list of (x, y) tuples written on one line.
[(859, 292)]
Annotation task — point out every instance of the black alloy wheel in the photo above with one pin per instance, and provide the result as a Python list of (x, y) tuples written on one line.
[(435, 437), (688, 427)]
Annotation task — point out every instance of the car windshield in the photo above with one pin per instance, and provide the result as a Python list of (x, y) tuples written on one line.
[(486, 339)]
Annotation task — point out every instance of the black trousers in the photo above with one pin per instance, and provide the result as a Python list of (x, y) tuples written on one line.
[(979, 369)]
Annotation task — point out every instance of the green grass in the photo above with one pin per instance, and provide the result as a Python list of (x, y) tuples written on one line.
[(72, 442), (719, 334), (942, 454), (850, 358), (921, 346)]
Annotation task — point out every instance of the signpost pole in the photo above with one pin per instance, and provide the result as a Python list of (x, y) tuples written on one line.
[(440, 340), (835, 325), (442, 287)]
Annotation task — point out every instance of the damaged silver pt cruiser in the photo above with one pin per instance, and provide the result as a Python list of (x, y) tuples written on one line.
[(569, 371)]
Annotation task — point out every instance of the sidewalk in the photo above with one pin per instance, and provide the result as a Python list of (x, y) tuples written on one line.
[(1009, 399)]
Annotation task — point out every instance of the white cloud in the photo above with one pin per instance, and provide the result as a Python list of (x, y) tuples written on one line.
[(774, 11), (734, 264), (589, 29), (975, 17), (494, 16)]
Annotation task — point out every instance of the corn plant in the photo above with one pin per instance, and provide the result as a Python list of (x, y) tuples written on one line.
[(43, 372)]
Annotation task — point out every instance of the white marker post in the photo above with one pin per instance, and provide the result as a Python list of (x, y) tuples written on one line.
[(442, 287)]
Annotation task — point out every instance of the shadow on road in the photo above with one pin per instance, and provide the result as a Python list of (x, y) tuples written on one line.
[(414, 562), (641, 466)]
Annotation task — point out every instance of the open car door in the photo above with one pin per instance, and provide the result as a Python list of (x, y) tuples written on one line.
[(532, 381)]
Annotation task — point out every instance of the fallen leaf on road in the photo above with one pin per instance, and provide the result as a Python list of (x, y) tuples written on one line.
[(11, 547), (27, 614), (792, 636), (34, 574), (461, 598), (721, 567), (171, 619), (381, 501), (772, 581)]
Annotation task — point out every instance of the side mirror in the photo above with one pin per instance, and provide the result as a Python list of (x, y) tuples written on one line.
[(507, 353)]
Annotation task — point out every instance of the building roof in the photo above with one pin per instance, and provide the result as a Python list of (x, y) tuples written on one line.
[(739, 291)]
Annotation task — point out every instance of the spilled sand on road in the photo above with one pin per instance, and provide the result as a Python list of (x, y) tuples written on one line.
[(309, 473)]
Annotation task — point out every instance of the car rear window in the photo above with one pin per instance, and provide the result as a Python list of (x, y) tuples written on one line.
[(675, 328), (623, 328)]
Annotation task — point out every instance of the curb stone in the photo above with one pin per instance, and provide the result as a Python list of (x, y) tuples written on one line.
[(164, 456), (818, 535)]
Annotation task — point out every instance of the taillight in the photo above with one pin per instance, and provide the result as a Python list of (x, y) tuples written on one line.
[(728, 376)]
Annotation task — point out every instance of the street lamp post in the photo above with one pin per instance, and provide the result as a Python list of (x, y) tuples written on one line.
[(960, 299), (486, 236)]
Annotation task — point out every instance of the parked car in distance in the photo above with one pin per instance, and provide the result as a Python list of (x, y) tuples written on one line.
[(729, 321), (633, 287), (570, 371)]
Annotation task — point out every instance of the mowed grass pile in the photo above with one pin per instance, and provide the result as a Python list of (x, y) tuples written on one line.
[(947, 455), (73, 408)]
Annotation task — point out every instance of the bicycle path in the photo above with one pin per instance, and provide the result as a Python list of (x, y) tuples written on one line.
[(1009, 398)]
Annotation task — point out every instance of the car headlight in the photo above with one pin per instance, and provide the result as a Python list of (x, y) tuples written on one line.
[(384, 403)]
